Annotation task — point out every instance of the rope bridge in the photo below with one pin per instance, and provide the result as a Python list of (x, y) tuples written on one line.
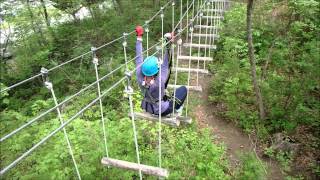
[(199, 23)]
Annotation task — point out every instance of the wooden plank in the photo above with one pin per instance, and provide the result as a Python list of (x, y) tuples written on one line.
[(200, 45), (172, 121), (180, 69), (205, 35), (206, 27), (196, 58), (212, 17), (214, 1), (186, 120), (191, 88), (214, 10), (145, 169)]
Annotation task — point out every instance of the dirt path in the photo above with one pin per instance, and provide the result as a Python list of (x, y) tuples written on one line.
[(226, 132)]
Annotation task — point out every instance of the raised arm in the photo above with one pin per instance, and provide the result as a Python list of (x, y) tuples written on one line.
[(139, 55), (165, 65)]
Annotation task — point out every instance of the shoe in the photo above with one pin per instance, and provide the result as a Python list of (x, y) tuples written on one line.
[(180, 110)]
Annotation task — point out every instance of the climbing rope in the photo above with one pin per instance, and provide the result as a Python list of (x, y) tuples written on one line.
[(160, 87), (129, 92), (95, 62), (49, 86)]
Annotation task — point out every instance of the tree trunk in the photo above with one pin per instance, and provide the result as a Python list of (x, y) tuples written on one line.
[(33, 25), (119, 6), (45, 12), (252, 60)]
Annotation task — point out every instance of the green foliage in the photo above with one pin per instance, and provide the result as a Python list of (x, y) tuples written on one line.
[(186, 152), (287, 65), (251, 168)]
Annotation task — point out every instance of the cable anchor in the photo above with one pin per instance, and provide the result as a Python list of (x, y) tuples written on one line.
[(158, 54), (95, 59), (146, 24), (45, 78), (124, 43), (162, 15), (128, 89)]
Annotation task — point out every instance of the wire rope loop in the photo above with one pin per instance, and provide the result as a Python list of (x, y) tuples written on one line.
[(161, 14), (146, 26)]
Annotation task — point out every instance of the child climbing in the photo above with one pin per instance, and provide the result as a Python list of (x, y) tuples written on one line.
[(149, 81)]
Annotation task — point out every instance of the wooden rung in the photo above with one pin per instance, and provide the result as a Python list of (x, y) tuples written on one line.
[(205, 35), (214, 10), (186, 120), (200, 45), (172, 121), (191, 88), (196, 58), (224, 1), (179, 69), (145, 169), (212, 17), (206, 27)]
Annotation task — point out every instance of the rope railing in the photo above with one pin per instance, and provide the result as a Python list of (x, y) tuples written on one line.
[(77, 57), (4, 170), (99, 98), (68, 99), (24, 155)]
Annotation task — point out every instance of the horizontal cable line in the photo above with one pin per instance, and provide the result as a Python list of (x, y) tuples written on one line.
[(68, 99), (69, 61), (75, 58), (24, 155), (154, 16), (19, 83)]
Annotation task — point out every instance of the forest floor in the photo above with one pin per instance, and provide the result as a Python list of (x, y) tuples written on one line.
[(227, 133)]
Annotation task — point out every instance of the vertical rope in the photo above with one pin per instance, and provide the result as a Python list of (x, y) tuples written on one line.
[(160, 87), (219, 14), (147, 31), (212, 27), (206, 39), (181, 14), (199, 42), (190, 53), (193, 9), (187, 22), (95, 61), (49, 86), (176, 73), (173, 57), (198, 7), (129, 92)]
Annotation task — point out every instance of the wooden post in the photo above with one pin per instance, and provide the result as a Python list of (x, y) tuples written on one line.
[(252, 60), (151, 170)]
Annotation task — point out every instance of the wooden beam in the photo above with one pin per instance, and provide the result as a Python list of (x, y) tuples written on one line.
[(145, 169), (192, 88), (192, 70), (200, 45), (195, 58), (172, 121)]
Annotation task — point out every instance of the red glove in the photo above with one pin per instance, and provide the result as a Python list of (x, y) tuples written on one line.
[(139, 31)]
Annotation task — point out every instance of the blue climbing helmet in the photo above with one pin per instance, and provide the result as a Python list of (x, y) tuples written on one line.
[(150, 66)]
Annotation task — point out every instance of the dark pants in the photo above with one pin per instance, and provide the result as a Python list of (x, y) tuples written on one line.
[(181, 94)]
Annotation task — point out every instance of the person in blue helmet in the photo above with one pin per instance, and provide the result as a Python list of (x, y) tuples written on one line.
[(149, 81)]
